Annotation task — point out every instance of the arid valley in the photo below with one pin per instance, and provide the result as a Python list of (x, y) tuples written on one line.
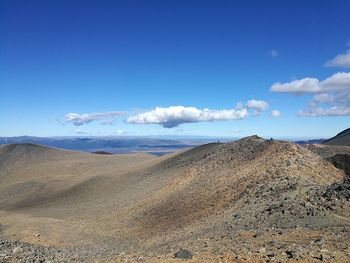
[(246, 200)]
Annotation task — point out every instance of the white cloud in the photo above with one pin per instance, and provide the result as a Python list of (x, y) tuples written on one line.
[(341, 60), (275, 114), (321, 112), (306, 85), (239, 105), (336, 83), (258, 105), (81, 119), (237, 131), (175, 115), (78, 131), (333, 92), (321, 98), (274, 53)]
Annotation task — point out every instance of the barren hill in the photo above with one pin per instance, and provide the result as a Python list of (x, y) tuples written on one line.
[(342, 138), (251, 199)]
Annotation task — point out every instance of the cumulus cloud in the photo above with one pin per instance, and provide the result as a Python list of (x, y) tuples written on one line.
[(274, 53), (321, 98), (258, 106), (341, 60), (275, 114), (331, 97), (175, 115), (306, 85), (81, 119)]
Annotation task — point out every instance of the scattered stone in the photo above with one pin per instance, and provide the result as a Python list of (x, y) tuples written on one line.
[(262, 250), (291, 254), (17, 250), (280, 197), (184, 254), (273, 242), (258, 233), (319, 241), (317, 256), (326, 254)]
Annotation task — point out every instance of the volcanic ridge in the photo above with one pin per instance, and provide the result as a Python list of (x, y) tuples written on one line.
[(251, 200)]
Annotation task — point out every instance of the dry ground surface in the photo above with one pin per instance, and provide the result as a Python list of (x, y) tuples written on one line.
[(327, 151), (251, 200)]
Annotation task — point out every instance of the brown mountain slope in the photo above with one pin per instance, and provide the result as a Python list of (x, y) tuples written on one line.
[(342, 138), (339, 156), (228, 199), (327, 151)]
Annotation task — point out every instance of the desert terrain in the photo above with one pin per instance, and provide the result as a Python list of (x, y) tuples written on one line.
[(251, 200)]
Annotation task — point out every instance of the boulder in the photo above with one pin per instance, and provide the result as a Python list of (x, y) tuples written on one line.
[(184, 254)]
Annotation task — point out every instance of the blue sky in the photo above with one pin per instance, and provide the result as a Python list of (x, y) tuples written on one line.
[(116, 61)]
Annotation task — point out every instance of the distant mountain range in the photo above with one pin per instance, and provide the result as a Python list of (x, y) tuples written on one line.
[(156, 146)]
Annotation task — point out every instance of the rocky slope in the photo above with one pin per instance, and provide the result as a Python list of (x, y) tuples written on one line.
[(248, 200)]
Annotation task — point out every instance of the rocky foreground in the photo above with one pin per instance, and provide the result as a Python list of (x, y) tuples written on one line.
[(252, 200)]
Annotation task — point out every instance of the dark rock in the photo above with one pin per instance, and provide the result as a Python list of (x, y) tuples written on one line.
[(184, 254), (273, 242), (291, 254), (319, 241)]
